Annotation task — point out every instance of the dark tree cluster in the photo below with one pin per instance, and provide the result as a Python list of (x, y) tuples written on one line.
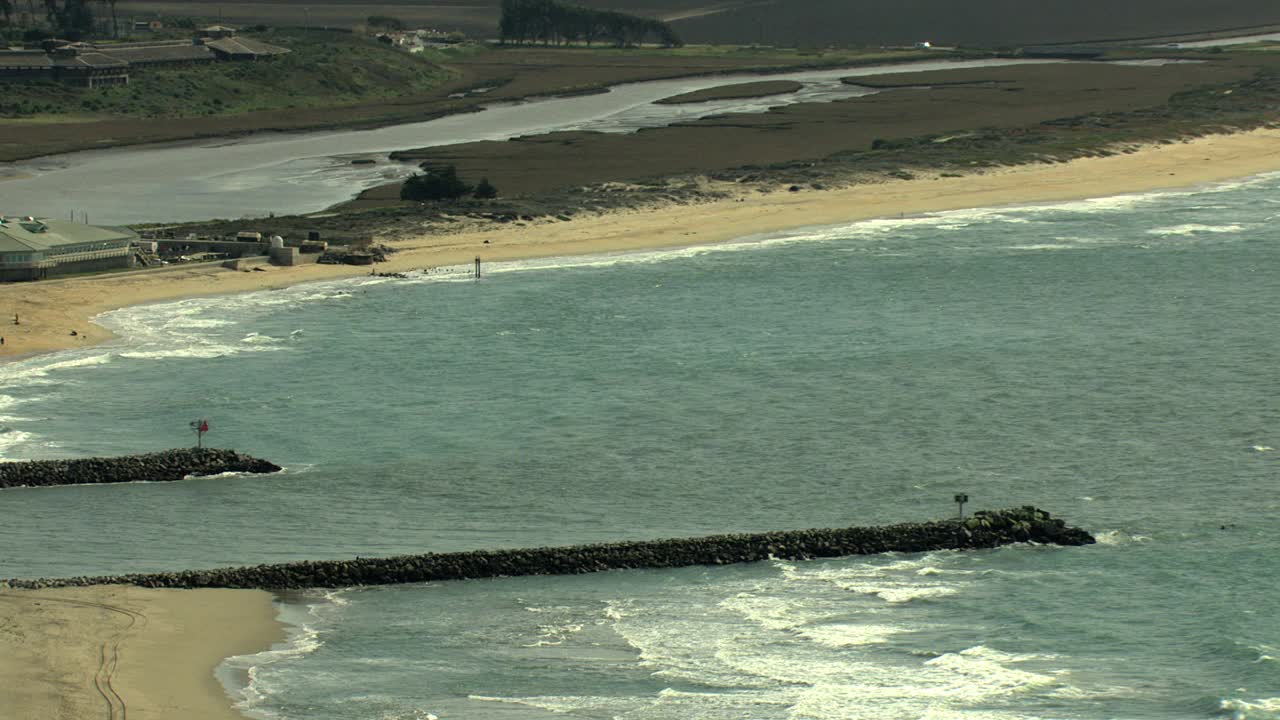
[(555, 23), (70, 19), (444, 184), (384, 22)]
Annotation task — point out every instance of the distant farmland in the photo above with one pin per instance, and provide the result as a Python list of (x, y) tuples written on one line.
[(982, 23)]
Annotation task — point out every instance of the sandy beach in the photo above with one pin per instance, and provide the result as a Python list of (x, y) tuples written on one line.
[(48, 312), (116, 651), (168, 642)]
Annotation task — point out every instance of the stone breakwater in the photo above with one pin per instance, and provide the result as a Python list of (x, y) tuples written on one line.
[(984, 530), (151, 467)]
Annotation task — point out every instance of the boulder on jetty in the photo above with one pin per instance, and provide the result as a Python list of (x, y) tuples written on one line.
[(985, 530), (151, 467)]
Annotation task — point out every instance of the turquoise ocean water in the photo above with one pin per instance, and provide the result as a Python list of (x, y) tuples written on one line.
[(1112, 361)]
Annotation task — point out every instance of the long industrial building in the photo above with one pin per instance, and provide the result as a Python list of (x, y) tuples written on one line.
[(35, 248)]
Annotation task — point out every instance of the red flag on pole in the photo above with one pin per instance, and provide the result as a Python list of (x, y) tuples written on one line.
[(204, 426)]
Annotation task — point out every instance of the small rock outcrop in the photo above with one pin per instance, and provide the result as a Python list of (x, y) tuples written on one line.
[(985, 530), (151, 467)]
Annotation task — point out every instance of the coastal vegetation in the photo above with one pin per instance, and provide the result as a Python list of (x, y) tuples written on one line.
[(960, 122), (303, 89), (443, 183), (324, 68)]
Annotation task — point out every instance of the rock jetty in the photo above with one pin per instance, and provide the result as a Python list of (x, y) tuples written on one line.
[(984, 530), (151, 467)]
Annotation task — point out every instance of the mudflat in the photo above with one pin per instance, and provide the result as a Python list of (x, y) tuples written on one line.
[(503, 73), (939, 103), (764, 88)]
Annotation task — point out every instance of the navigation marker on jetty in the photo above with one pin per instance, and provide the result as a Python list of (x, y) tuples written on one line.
[(961, 499), (201, 427)]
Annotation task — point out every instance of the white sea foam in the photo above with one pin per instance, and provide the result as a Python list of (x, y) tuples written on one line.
[(555, 634), (1043, 246), (1119, 537), (414, 714), (195, 328), (36, 370), (615, 707), (8, 403), (11, 438), (899, 581), (901, 593), (948, 686), (844, 635), (1194, 229), (1258, 709), (198, 351), (978, 674), (303, 639), (184, 321)]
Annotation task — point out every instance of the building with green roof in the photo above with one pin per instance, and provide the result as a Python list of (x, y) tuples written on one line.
[(35, 248)]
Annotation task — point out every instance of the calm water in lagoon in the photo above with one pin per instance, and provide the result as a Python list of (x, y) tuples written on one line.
[(1111, 361)]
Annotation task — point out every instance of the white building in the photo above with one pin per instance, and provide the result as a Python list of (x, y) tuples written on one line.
[(35, 248)]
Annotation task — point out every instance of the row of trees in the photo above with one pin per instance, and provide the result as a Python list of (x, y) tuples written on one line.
[(69, 18), (551, 22), (444, 184)]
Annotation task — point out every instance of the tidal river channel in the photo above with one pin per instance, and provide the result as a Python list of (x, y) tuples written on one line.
[(307, 172)]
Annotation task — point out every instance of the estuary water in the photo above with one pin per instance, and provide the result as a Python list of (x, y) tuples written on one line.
[(285, 173), (1112, 361)]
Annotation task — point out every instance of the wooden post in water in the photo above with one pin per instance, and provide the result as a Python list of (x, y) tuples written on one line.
[(477, 267)]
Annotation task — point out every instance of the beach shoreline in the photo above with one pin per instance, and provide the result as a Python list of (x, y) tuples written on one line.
[(49, 316), (109, 650), (171, 640)]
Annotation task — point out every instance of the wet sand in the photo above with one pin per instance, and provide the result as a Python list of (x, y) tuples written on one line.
[(119, 651)]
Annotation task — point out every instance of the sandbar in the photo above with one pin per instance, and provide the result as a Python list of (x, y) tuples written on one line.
[(121, 651)]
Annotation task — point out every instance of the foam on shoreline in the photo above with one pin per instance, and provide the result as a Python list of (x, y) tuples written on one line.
[(50, 309)]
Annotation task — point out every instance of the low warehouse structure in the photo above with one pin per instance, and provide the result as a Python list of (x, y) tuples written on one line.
[(35, 248), (95, 65)]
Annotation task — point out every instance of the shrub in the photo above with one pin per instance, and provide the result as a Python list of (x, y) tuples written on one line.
[(485, 190), (440, 184)]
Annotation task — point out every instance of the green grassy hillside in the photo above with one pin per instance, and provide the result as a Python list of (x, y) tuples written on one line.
[(323, 69)]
